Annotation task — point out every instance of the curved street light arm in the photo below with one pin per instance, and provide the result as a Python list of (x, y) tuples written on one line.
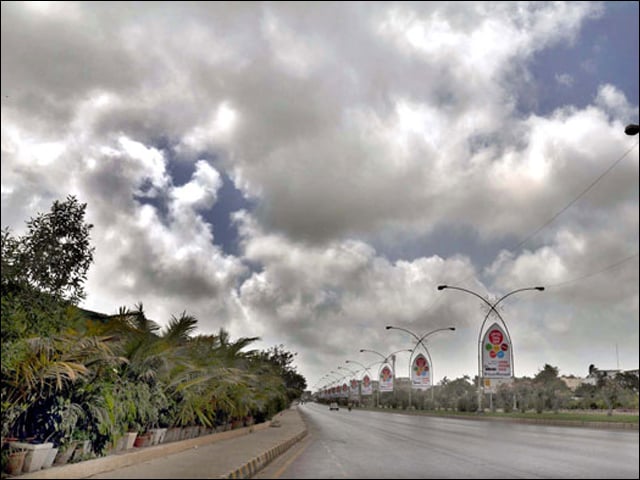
[(504, 324), (373, 351), (348, 370), (420, 340), (397, 351), (492, 307), (366, 368)]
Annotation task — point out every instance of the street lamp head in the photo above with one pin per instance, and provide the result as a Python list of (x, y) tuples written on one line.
[(632, 129), (541, 289), (388, 327), (442, 287), (452, 328), (361, 350)]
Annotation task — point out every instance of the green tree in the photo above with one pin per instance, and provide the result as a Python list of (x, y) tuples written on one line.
[(552, 393), (460, 393), (283, 360), (55, 254), (43, 272)]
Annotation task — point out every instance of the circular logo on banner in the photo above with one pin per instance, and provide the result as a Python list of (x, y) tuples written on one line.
[(344, 387), (366, 380), (385, 375), (354, 384), (495, 337)]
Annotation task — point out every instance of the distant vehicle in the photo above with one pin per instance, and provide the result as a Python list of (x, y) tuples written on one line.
[(334, 406)]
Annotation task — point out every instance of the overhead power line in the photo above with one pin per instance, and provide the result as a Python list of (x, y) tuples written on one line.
[(610, 267), (591, 185), (560, 212)]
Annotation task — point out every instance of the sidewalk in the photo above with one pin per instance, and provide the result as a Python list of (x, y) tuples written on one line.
[(233, 454)]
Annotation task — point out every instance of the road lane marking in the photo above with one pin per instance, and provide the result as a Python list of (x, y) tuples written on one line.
[(307, 442)]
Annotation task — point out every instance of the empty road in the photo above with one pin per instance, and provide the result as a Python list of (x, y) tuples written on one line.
[(364, 444)]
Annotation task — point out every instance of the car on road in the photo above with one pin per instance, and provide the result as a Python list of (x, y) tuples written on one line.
[(334, 406)]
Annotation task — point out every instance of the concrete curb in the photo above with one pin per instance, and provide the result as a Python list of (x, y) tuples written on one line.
[(139, 455), (254, 465)]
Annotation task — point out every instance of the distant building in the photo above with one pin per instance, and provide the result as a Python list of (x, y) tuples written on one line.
[(592, 378), (573, 382)]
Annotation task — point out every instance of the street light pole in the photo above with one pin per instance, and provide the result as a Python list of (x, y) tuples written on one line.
[(334, 380), (392, 355), (354, 374), (492, 308), (420, 342), (370, 374)]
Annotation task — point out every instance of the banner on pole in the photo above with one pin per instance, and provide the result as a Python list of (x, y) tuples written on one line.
[(386, 379), (496, 353), (420, 373), (367, 388)]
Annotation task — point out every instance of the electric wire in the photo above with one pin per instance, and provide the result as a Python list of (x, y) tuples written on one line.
[(518, 247), (566, 207), (610, 267)]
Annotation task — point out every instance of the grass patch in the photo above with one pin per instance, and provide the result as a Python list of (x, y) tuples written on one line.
[(560, 416)]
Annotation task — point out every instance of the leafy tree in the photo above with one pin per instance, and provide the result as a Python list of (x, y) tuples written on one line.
[(460, 393), (628, 381), (504, 397), (282, 360), (43, 272), (552, 393), (525, 393), (55, 254)]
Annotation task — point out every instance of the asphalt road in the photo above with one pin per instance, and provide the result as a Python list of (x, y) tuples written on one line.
[(364, 444)]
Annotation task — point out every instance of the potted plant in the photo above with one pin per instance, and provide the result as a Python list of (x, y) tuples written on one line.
[(82, 449), (143, 439), (129, 439), (48, 462), (36, 454), (15, 460)]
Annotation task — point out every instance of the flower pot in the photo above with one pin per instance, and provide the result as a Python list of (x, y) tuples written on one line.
[(36, 454), (130, 439), (64, 454), (172, 435), (158, 435), (15, 462), (120, 444), (82, 451), (142, 440), (48, 462)]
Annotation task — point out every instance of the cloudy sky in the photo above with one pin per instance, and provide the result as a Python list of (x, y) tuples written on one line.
[(309, 172)]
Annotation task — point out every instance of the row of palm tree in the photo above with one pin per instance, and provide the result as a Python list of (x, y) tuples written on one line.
[(100, 378)]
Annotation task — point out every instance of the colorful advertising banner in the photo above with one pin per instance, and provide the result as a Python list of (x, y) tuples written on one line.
[(367, 388), (353, 390), (496, 353), (386, 379), (345, 390), (420, 373)]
